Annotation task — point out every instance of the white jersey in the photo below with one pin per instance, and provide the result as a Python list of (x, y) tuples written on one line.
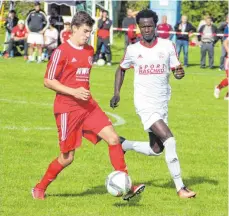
[(151, 71), (151, 75)]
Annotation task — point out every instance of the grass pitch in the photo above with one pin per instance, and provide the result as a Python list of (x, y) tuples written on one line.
[(28, 141)]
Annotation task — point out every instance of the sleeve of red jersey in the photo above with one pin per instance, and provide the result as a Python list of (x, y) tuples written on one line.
[(56, 64), (126, 61), (173, 57)]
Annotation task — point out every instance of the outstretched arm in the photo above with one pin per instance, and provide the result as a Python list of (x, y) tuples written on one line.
[(119, 77)]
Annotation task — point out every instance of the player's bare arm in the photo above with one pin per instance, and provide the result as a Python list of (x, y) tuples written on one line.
[(79, 93), (178, 72), (119, 77)]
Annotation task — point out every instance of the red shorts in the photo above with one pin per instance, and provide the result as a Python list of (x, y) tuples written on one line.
[(74, 125)]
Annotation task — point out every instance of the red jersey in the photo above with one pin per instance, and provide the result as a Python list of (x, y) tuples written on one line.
[(164, 27), (65, 35), (71, 66), (19, 32)]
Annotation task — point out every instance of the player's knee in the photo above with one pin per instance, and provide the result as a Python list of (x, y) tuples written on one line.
[(153, 153), (157, 149), (113, 139), (66, 159), (166, 135)]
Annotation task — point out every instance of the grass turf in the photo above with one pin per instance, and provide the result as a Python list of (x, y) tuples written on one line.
[(28, 142)]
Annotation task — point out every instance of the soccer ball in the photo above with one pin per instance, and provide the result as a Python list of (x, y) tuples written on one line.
[(101, 62), (118, 183)]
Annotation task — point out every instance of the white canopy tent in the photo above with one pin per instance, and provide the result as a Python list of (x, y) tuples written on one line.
[(90, 6)]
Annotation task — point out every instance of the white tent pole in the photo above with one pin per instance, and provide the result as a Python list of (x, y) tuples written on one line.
[(93, 14), (1, 3), (106, 4)]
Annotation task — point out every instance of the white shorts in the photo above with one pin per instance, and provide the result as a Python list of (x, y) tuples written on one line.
[(35, 38), (149, 116)]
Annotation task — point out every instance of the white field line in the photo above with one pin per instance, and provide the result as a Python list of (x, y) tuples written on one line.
[(119, 120)]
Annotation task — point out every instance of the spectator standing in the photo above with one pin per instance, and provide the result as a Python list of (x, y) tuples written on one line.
[(130, 23), (66, 32), (164, 26), (183, 39), (36, 24), (208, 40), (18, 38), (223, 29), (104, 25), (203, 22), (57, 21), (11, 21)]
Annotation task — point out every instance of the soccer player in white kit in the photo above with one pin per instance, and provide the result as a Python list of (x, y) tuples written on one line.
[(152, 59)]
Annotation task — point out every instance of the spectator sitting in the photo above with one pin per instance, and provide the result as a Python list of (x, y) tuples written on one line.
[(183, 39), (18, 38), (36, 24), (11, 21), (164, 26), (208, 40), (66, 32), (50, 40)]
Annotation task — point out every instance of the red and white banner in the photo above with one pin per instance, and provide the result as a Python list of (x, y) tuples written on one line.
[(173, 32)]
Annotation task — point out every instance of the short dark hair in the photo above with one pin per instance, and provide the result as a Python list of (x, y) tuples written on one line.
[(146, 13), (12, 11), (82, 17), (105, 11), (37, 3)]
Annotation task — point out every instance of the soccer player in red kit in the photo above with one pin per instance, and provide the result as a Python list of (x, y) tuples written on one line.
[(66, 32), (76, 113)]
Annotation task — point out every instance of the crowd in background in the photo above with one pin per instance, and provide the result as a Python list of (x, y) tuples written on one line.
[(37, 32), (206, 40), (43, 34)]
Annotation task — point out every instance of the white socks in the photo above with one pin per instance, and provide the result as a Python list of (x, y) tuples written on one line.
[(141, 147), (170, 156), (173, 162)]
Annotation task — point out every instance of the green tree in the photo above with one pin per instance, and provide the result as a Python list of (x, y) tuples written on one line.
[(22, 8), (196, 10), (137, 5)]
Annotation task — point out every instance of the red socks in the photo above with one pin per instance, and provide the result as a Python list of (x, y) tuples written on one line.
[(53, 170), (224, 83), (117, 158)]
